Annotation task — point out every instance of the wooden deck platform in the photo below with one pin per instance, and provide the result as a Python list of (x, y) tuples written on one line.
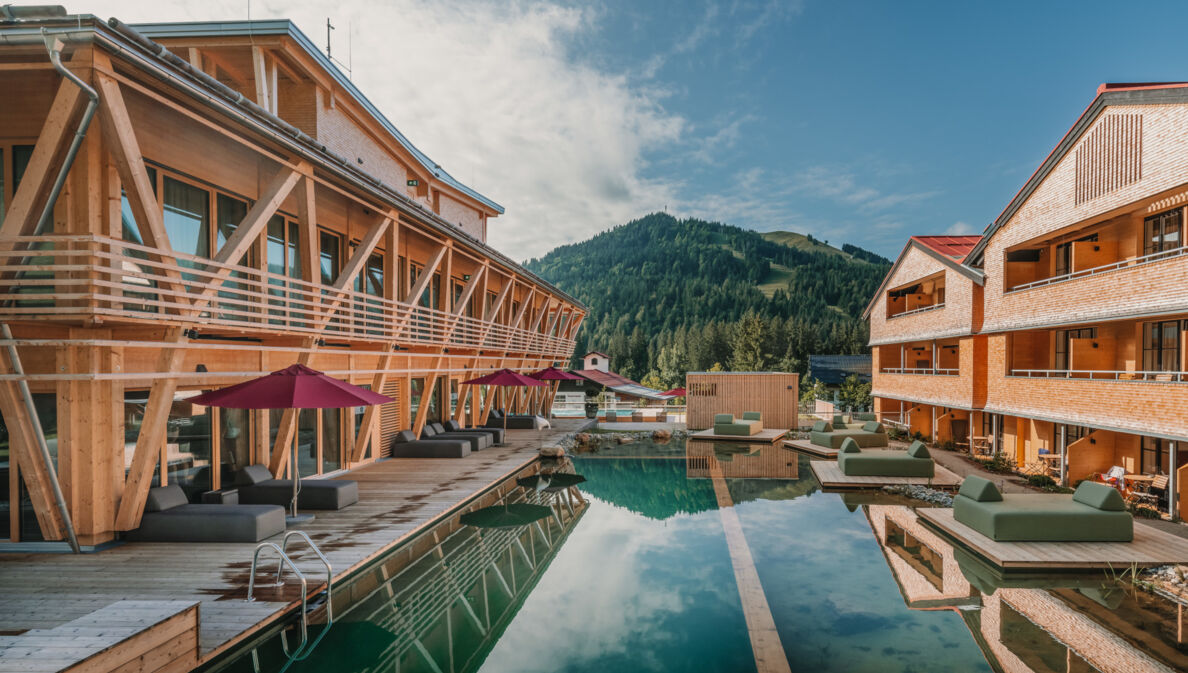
[(831, 477), (1151, 547), (398, 498), (766, 436), (808, 447)]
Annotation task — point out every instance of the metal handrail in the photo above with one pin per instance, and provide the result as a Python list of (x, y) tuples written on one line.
[(283, 558), (1102, 375), (1113, 266), (931, 371), (280, 567), (917, 310)]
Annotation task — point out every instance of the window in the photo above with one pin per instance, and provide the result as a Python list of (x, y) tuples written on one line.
[(1161, 346), (187, 220), (329, 261), (1074, 433), (370, 282), (1064, 255), (284, 259), (593, 361), (1064, 339), (1163, 232), (229, 212), (1155, 455)]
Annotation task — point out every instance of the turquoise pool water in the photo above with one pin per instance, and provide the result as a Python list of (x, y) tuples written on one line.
[(640, 578)]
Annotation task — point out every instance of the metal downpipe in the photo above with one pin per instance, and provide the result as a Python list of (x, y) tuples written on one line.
[(27, 397), (53, 45)]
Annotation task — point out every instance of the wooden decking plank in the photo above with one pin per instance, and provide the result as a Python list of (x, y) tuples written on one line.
[(765, 436), (830, 476), (808, 447)]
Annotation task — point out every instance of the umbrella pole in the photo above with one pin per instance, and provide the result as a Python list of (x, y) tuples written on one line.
[(293, 516)]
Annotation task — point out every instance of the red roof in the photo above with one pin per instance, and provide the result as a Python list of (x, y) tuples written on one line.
[(1135, 86), (956, 247), (608, 379), (596, 353)]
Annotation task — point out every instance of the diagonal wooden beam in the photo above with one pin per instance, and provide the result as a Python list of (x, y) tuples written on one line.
[(378, 381), (27, 458), (248, 231), (56, 134), (423, 409), (307, 221), (121, 142), (468, 291), (152, 434), (426, 275)]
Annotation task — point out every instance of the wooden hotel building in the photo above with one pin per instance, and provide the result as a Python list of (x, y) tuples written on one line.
[(1060, 337), (187, 206)]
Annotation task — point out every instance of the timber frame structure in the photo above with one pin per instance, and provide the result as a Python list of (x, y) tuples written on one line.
[(237, 205)]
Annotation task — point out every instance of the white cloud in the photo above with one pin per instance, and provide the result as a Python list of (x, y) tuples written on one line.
[(492, 92), (961, 229)]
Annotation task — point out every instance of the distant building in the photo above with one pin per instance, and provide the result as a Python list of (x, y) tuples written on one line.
[(833, 370), (596, 360), (597, 376)]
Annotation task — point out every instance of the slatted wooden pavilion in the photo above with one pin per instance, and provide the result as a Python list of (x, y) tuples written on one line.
[(236, 205)]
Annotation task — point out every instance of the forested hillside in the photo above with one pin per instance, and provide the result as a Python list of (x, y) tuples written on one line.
[(668, 296)]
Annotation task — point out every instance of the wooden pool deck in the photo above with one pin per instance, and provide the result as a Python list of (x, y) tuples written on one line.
[(805, 446), (1151, 547), (831, 477), (767, 436), (46, 595)]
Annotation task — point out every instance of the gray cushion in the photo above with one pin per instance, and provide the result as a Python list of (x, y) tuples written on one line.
[(822, 426), (437, 427), (431, 448), (1099, 496), (429, 431), (452, 425), (211, 523), (405, 436), (329, 494), (252, 474), (918, 450), (849, 446), (978, 489), (164, 498)]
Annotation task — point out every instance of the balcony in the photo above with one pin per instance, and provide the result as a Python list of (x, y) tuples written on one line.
[(1103, 268), (81, 278), (924, 371), (1102, 375)]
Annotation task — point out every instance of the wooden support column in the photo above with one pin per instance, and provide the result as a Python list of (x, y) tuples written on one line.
[(25, 453), (423, 409)]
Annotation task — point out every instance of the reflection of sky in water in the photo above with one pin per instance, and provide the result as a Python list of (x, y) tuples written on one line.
[(628, 592)]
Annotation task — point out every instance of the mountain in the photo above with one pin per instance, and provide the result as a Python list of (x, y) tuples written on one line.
[(668, 296)]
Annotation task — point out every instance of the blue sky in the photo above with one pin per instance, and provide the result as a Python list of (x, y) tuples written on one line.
[(857, 122)]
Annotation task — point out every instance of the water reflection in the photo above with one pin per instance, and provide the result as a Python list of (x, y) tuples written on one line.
[(1028, 621)]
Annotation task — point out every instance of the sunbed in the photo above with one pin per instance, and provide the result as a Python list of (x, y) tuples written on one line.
[(497, 434), (856, 462), (406, 445), (513, 422), (1094, 513), (256, 486), (870, 435), (435, 432), (169, 517), (727, 424)]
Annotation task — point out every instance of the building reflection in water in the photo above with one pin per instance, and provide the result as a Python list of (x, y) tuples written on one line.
[(1031, 622), (737, 460)]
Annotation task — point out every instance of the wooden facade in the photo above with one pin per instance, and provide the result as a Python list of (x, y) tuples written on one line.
[(235, 206), (773, 394)]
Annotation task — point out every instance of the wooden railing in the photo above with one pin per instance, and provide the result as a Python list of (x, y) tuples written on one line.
[(922, 309), (84, 276), (928, 371), (1101, 375)]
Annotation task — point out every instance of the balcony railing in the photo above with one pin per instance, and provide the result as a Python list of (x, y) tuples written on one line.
[(64, 277), (914, 311), (929, 371), (1101, 375), (1121, 264)]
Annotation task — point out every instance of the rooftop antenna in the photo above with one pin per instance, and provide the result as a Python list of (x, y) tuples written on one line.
[(344, 66), (329, 27)]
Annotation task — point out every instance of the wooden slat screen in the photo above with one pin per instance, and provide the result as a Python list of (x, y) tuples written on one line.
[(1110, 156), (772, 394), (389, 418)]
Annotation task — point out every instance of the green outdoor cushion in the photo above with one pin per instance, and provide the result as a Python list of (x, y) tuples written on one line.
[(979, 489), (752, 416), (918, 450), (723, 418), (1042, 517), (865, 417), (849, 446), (1099, 496), (872, 426), (839, 419), (740, 427), (833, 440), (883, 463), (822, 426)]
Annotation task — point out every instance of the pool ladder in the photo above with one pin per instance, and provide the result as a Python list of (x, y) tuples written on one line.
[(284, 559)]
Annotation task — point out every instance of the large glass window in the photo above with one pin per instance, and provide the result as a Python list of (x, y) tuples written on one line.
[(29, 530), (1064, 260), (187, 220), (1163, 231), (415, 393), (1064, 339), (307, 441), (331, 439), (284, 260), (136, 273), (235, 447), (1161, 346), (370, 282), (230, 212), (188, 446)]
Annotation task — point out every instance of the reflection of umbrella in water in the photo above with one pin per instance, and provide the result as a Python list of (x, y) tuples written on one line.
[(506, 516), (550, 483)]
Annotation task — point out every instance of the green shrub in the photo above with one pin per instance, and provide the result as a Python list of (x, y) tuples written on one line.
[(1041, 481), (999, 463), (1144, 512), (949, 446)]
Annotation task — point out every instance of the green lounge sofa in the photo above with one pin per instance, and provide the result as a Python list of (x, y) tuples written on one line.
[(755, 417), (1094, 513), (915, 462), (726, 424), (870, 435)]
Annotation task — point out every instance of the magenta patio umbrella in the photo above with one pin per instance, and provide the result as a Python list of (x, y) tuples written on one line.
[(294, 387), (553, 374), (504, 378)]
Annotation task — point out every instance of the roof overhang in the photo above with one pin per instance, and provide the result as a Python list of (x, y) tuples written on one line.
[(1160, 94), (975, 275)]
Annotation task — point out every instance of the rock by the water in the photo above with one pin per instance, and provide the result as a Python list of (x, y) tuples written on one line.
[(582, 438), (661, 435), (552, 452), (623, 439)]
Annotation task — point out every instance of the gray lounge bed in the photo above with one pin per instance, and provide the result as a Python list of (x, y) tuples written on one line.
[(436, 432), (497, 434), (496, 420), (169, 517), (406, 445), (257, 487)]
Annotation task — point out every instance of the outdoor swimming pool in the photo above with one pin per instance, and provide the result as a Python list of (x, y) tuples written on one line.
[(645, 575)]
